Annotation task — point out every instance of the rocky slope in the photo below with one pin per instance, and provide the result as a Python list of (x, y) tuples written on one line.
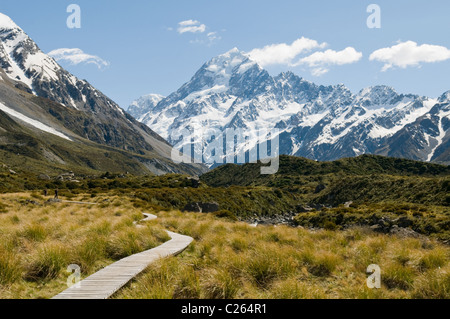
[(38, 93)]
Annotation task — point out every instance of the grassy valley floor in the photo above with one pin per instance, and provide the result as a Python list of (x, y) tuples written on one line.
[(234, 260), (228, 259), (343, 216)]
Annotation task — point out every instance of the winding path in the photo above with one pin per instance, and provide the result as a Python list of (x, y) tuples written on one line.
[(104, 283)]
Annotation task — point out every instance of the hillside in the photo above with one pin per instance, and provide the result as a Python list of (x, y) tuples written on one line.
[(43, 137), (364, 179), (294, 168), (50, 120)]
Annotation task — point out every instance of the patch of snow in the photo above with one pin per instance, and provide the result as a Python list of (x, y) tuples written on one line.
[(244, 67), (32, 122), (207, 91), (312, 119), (439, 139), (14, 71), (413, 114), (6, 22), (42, 65), (295, 145)]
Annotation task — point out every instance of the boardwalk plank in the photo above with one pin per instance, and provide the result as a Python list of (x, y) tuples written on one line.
[(104, 283)]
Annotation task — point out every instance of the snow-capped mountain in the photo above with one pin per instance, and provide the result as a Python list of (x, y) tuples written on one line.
[(144, 103), (427, 136), (318, 122), (56, 102)]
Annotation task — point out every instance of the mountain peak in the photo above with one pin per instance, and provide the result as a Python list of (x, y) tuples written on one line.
[(154, 96), (228, 60), (377, 95), (217, 73), (377, 89), (93, 117), (152, 99), (7, 23), (287, 75), (144, 104), (234, 50), (445, 98)]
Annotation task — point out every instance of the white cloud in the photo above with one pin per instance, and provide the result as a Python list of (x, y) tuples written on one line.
[(195, 26), (321, 61), (283, 53), (213, 36), (188, 22), (319, 71), (192, 26), (76, 56), (408, 53)]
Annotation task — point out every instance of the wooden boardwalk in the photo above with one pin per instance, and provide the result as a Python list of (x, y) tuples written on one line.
[(104, 283)]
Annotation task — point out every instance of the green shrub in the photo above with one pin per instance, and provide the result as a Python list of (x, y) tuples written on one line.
[(329, 225), (225, 214)]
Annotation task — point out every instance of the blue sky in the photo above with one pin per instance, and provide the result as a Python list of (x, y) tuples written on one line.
[(141, 48)]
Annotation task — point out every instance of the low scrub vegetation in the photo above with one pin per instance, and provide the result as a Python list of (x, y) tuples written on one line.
[(433, 221)]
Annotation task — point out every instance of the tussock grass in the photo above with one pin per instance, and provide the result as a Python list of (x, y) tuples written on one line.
[(228, 259), (264, 265), (134, 241), (220, 284), (292, 288), (47, 263), (434, 286), (39, 241), (398, 276), (10, 268), (234, 260), (35, 232), (434, 259)]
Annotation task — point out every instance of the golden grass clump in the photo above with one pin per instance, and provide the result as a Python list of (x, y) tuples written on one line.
[(39, 241)]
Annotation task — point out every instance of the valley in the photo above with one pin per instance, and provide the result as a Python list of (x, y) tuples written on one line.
[(361, 180), (309, 242)]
